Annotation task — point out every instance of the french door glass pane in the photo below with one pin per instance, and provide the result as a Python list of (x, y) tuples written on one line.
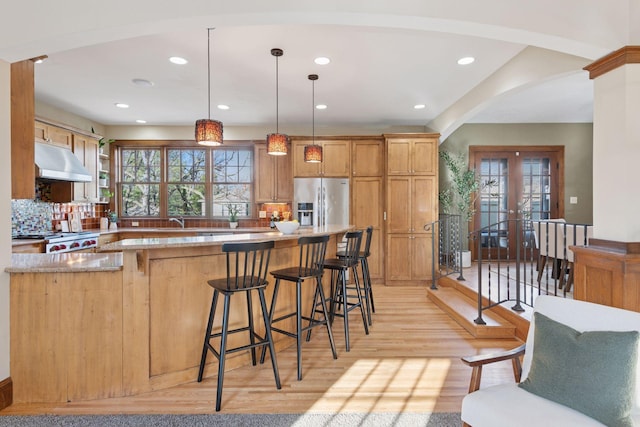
[(536, 189)]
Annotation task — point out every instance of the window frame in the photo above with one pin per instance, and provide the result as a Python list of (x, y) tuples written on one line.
[(164, 147)]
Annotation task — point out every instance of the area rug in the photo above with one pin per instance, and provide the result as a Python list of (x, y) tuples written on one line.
[(237, 420)]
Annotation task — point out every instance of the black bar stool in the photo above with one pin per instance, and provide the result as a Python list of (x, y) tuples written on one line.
[(247, 265), (366, 277), (340, 290), (310, 266)]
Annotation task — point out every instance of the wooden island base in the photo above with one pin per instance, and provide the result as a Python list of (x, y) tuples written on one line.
[(92, 335)]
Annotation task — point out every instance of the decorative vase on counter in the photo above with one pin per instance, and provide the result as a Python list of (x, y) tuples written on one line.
[(233, 224)]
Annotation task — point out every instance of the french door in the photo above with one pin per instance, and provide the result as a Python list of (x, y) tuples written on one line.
[(517, 183)]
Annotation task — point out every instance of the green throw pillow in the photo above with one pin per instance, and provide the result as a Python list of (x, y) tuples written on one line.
[(593, 372)]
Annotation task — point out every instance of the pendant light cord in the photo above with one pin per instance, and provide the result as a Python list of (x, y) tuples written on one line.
[(277, 100), (313, 112), (209, 71)]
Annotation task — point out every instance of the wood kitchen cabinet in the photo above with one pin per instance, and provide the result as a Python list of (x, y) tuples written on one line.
[(367, 157), (412, 155), (336, 159), (367, 209), (411, 263), (411, 203), (273, 176), (86, 149)]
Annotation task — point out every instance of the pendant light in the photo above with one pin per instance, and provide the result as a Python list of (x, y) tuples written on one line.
[(277, 142), (209, 132), (313, 152)]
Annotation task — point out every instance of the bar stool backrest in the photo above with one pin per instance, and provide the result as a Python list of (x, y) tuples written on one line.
[(367, 242), (352, 250), (312, 253), (247, 264)]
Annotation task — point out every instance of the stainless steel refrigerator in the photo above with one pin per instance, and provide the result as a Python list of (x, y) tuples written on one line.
[(321, 201)]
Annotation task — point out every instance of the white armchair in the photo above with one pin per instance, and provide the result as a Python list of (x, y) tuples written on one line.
[(508, 405)]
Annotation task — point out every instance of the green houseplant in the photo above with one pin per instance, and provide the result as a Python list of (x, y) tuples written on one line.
[(464, 188), (458, 198), (233, 215)]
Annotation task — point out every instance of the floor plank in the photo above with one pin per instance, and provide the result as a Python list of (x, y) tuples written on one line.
[(410, 361)]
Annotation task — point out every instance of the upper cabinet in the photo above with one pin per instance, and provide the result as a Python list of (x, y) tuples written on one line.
[(336, 159), (273, 177), (407, 155), (367, 157), (86, 149)]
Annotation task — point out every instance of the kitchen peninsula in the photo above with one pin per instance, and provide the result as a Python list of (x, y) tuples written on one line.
[(129, 319)]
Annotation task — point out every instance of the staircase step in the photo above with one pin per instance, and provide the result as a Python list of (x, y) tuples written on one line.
[(464, 310)]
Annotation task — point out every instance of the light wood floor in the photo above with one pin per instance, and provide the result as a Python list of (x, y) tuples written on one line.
[(410, 362)]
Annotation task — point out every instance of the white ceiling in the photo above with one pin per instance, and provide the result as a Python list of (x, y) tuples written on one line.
[(386, 57), (375, 77)]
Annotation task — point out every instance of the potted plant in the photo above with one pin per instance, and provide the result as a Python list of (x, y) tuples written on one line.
[(233, 216), (113, 219), (463, 190), (102, 179), (103, 141)]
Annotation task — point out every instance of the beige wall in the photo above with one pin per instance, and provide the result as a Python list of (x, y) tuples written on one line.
[(576, 138)]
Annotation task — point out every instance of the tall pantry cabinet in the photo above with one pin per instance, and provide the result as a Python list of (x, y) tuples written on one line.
[(367, 197), (411, 203)]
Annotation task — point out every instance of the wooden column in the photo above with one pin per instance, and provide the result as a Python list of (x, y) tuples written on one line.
[(22, 130)]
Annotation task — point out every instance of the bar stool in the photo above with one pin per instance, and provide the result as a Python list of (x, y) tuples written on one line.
[(247, 265), (310, 266), (339, 267), (366, 277)]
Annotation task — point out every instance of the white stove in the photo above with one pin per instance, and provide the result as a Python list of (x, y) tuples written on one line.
[(69, 242)]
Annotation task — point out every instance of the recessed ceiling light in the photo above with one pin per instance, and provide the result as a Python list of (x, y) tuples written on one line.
[(142, 82), (322, 60), (321, 107), (466, 60), (141, 121), (223, 107), (419, 106), (177, 60), (121, 105)]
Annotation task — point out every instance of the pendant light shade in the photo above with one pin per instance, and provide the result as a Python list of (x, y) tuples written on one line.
[(277, 143), (209, 132), (313, 152)]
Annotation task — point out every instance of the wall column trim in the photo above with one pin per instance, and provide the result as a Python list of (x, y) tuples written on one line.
[(622, 56)]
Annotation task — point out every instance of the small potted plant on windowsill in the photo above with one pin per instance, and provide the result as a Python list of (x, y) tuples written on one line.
[(233, 216)]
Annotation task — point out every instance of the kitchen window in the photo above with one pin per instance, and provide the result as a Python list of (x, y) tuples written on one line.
[(191, 182), (140, 182)]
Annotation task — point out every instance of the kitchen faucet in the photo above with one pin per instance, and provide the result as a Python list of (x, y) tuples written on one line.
[(179, 221)]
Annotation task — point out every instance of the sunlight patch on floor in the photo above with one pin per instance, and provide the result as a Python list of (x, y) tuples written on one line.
[(387, 379)]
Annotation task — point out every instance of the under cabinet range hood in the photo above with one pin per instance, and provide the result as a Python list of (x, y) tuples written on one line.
[(60, 164)]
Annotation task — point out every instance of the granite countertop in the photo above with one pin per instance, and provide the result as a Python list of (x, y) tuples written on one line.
[(109, 257), (70, 262), (177, 242)]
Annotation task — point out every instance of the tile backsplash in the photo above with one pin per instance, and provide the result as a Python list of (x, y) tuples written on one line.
[(37, 217), (30, 216)]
